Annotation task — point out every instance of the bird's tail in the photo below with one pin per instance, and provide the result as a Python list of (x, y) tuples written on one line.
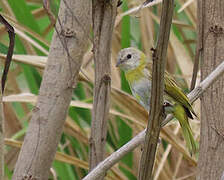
[(189, 138), (180, 113)]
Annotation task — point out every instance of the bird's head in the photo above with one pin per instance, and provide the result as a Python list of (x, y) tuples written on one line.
[(130, 58)]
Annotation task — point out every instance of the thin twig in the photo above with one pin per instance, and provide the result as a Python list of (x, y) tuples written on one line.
[(195, 69), (46, 5), (11, 33), (136, 9), (139, 139), (199, 47), (103, 166)]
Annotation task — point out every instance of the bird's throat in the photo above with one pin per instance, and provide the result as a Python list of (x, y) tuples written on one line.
[(135, 74)]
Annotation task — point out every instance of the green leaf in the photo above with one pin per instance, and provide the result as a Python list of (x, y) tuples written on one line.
[(23, 14)]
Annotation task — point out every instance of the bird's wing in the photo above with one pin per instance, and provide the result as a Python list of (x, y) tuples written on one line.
[(177, 94), (172, 89)]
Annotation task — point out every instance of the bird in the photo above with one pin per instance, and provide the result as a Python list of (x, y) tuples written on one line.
[(138, 72)]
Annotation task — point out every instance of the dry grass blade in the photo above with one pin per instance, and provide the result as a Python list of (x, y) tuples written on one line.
[(191, 12), (170, 137), (31, 41), (71, 128), (185, 5), (71, 160), (24, 29), (59, 156), (31, 98), (39, 13), (164, 157), (129, 104), (36, 61), (182, 57)]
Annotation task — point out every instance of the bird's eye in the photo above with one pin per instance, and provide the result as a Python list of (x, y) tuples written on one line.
[(129, 56)]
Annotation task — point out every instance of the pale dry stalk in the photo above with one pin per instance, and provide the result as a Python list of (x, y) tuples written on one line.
[(156, 102), (60, 76), (104, 13)]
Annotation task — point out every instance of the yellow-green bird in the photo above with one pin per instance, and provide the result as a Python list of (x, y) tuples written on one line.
[(138, 72)]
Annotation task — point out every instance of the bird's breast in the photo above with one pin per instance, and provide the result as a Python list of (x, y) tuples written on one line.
[(141, 90)]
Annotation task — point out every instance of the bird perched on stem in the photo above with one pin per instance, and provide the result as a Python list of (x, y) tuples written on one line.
[(138, 72)]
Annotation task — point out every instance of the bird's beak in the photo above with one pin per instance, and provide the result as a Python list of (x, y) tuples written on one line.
[(118, 63)]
